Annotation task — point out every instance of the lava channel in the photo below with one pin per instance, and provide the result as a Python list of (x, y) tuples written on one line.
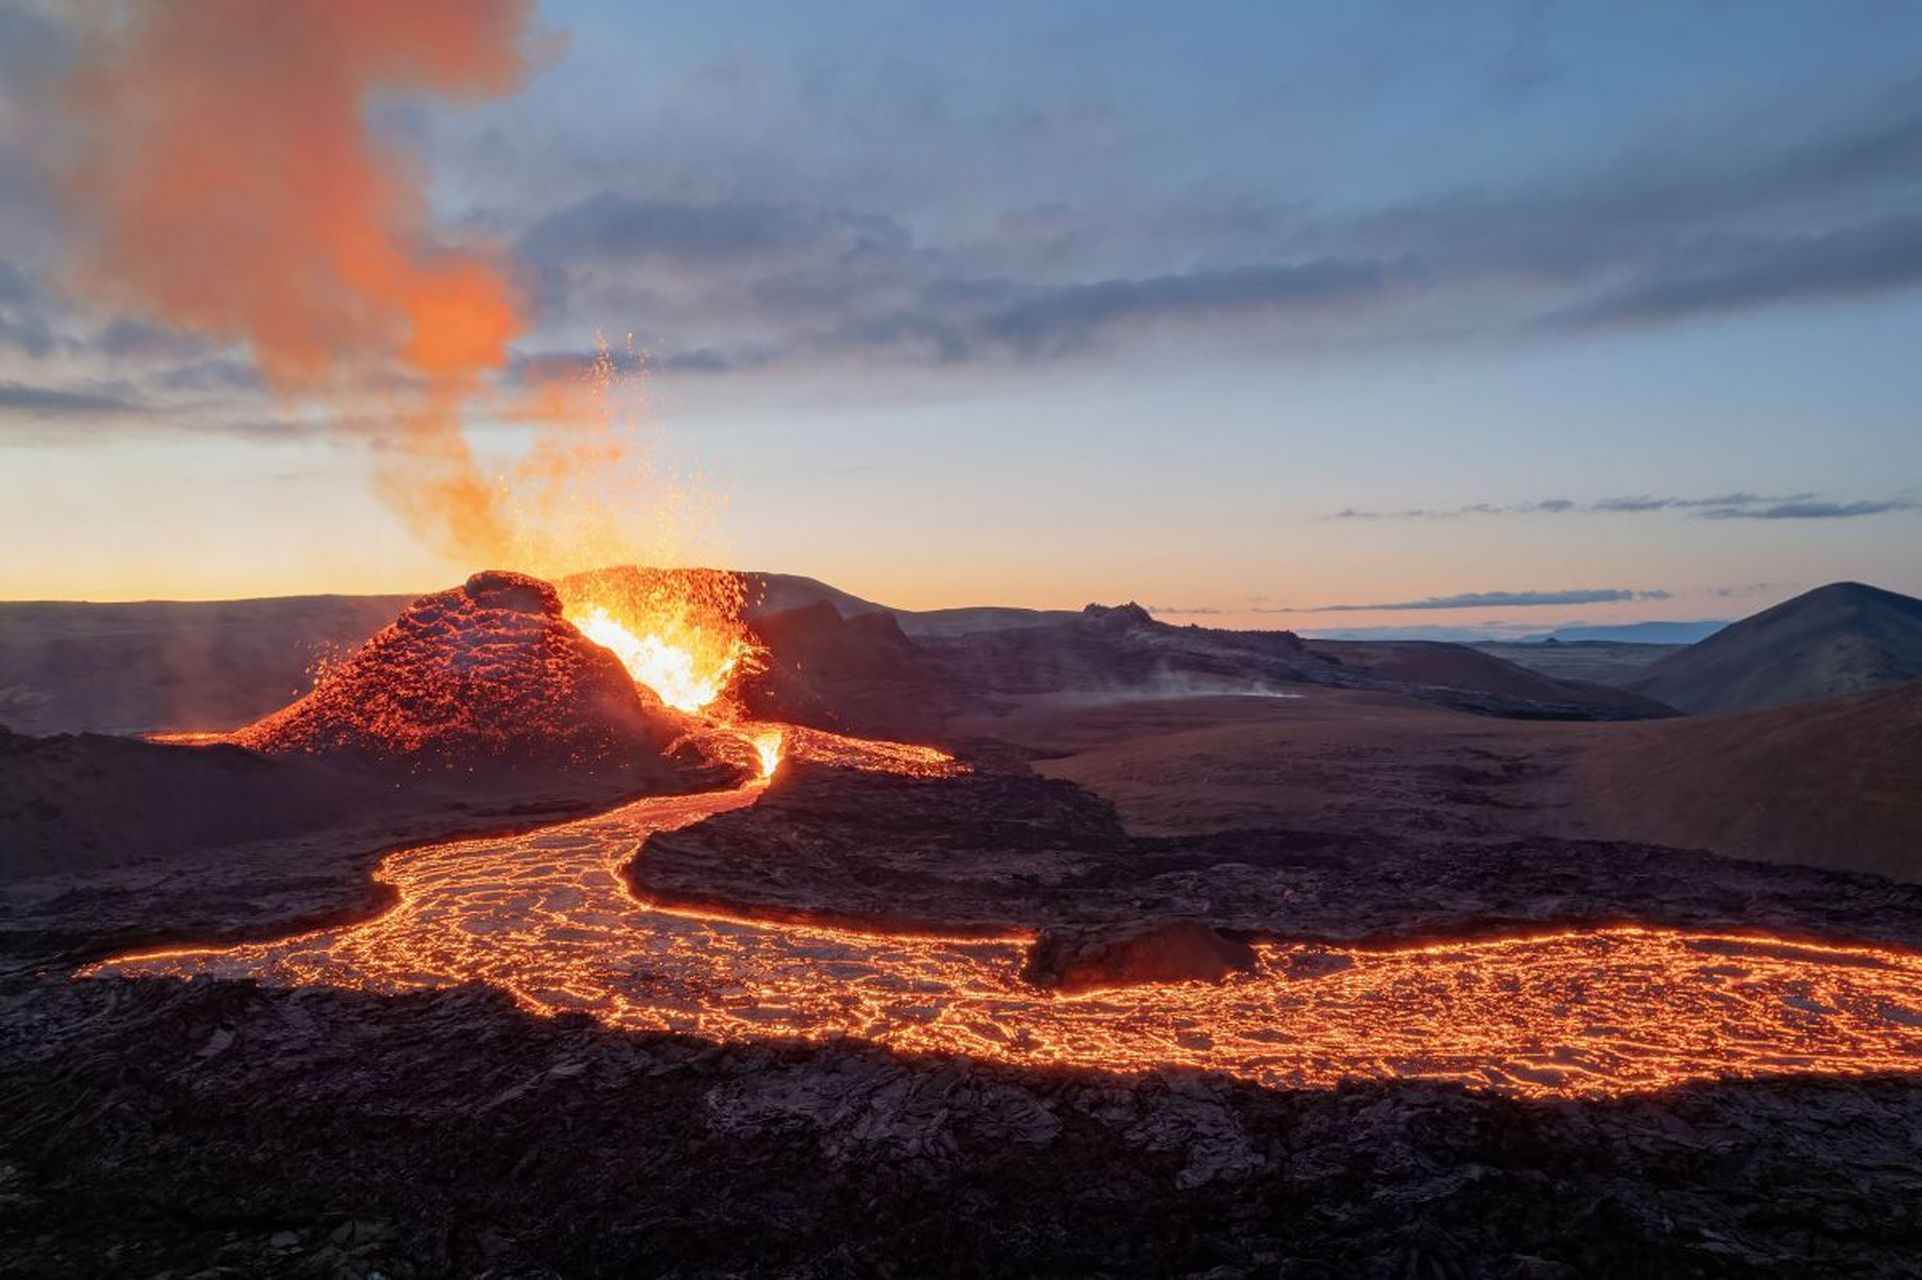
[(546, 917)]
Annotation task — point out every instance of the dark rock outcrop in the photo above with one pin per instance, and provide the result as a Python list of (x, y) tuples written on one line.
[(1173, 951), (858, 674), (973, 853)]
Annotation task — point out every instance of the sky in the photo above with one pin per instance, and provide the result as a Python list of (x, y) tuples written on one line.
[(1484, 316)]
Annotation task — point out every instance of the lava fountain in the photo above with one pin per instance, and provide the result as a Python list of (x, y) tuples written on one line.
[(680, 632)]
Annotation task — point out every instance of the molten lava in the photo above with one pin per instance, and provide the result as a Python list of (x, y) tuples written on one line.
[(546, 917), (670, 671), (680, 632), (767, 745)]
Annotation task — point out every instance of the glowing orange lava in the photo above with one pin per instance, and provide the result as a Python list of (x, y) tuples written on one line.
[(680, 632), (546, 917), (767, 745)]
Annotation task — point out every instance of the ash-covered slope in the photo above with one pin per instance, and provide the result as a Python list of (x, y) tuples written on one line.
[(1842, 638), (1835, 782), (766, 594), (772, 593), (1611, 662), (487, 674), (864, 674)]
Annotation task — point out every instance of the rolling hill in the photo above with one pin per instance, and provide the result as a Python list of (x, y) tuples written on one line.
[(1842, 638)]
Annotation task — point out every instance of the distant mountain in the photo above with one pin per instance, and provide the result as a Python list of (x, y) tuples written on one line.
[(772, 593), (1842, 638), (1634, 632), (1446, 635), (68, 666), (1610, 662), (1459, 676)]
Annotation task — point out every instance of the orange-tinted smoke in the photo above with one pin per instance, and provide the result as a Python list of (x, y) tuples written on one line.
[(224, 179)]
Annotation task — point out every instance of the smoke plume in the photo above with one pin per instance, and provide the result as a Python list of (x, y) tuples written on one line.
[(223, 178)]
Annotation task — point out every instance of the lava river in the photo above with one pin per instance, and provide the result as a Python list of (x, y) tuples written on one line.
[(547, 917)]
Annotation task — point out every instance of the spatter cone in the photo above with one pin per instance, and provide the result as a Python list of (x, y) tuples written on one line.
[(486, 673)]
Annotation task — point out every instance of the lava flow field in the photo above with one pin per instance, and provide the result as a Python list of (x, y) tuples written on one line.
[(561, 929), (547, 917)]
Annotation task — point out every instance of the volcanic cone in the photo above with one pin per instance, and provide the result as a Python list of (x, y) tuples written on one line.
[(486, 674)]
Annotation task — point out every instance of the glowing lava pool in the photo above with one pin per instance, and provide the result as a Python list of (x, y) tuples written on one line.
[(546, 917)]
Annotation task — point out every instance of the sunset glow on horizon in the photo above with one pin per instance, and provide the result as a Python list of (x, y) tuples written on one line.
[(1180, 344)]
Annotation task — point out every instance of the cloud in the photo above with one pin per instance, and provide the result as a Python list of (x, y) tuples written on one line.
[(20, 401), (820, 282), (15, 285), (609, 227), (1641, 238), (1548, 506), (1721, 506), (126, 338), (1728, 273), (24, 325), (1500, 600), (1814, 510), (1754, 589), (727, 261), (747, 216), (1066, 318), (1643, 502)]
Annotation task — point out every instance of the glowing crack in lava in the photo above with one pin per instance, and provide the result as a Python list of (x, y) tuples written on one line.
[(546, 917)]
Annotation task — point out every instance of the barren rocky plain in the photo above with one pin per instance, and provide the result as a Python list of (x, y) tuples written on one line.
[(1156, 951)]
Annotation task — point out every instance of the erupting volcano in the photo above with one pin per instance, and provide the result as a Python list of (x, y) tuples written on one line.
[(492, 671), (610, 913), (488, 671), (630, 673)]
